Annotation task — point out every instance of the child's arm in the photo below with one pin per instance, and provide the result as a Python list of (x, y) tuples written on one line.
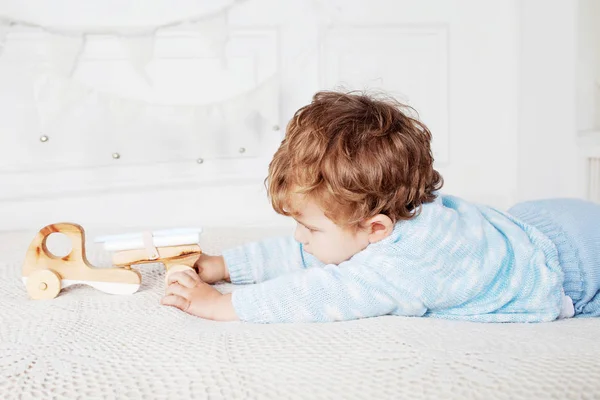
[(261, 261), (333, 293)]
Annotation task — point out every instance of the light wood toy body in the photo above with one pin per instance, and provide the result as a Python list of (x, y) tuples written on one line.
[(45, 274), (174, 258)]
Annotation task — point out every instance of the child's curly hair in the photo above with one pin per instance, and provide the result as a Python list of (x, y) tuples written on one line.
[(357, 157)]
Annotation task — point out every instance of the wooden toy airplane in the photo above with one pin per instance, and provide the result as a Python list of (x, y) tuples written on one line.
[(45, 274)]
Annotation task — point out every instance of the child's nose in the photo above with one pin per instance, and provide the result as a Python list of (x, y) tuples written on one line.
[(299, 237)]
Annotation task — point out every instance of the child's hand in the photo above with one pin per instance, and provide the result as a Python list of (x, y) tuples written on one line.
[(211, 268), (186, 291)]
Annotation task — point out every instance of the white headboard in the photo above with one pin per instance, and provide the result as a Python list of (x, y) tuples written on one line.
[(169, 116)]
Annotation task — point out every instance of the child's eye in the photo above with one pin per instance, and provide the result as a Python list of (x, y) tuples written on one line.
[(311, 230)]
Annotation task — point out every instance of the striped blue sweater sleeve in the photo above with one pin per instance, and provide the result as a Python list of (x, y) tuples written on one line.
[(267, 259)]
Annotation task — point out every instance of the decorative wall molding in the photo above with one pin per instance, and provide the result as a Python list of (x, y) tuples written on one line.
[(89, 136)]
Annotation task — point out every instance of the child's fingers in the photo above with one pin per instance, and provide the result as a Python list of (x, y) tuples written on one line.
[(178, 290), (175, 301), (187, 278)]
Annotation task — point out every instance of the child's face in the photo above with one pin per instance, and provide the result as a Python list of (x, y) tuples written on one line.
[(322, 238)]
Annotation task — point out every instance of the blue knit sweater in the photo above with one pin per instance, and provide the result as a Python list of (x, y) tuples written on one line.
[(456, 260)]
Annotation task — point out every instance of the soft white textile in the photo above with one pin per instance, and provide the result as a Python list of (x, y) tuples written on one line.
[(87, 344)]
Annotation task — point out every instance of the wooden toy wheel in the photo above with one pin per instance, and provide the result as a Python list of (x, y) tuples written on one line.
[(175, 268), (43, 284)]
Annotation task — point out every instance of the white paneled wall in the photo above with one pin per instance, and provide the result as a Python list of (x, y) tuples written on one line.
[(588, 66), (588, 94), (195, 123), (348, 59), (458, 62), (547, 147), (593, 188)]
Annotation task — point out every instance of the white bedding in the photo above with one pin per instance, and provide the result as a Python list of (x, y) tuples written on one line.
[(86, 344)]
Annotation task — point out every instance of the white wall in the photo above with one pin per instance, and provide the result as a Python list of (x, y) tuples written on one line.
[(588, 66), (549, 163), (482, 74)]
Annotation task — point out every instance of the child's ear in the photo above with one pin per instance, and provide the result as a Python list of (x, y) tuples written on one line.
[(379, 227)]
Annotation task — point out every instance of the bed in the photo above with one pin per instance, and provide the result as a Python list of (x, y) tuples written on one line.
[(87, 344)]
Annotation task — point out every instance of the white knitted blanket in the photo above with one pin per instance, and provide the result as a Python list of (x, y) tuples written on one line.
[(90, 345)]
